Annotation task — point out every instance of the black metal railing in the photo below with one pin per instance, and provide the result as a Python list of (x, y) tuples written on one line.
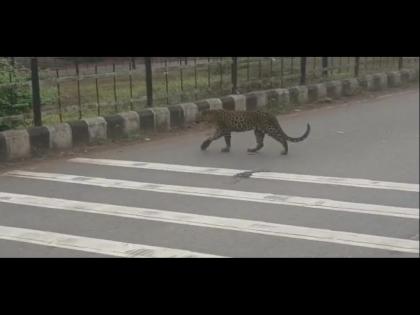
[(65, 89)]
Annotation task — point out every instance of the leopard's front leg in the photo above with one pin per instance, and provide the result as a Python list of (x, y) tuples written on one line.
[(217, 134)]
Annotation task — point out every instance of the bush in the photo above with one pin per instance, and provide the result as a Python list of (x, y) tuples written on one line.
[(15, 95)]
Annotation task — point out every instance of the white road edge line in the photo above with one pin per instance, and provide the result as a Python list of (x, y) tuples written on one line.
[(341, 181), (297, 201), (241, 225), (94, 245)]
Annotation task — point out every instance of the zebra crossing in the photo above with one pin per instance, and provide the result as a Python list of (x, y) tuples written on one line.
[(193, 219)]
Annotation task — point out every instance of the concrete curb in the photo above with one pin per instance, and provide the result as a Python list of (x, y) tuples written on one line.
[(255, 100), (366, 82), (279, 97), (380, 81), (26, 143), (334, 89), (351, 87), (394, 79), (317, 92), (298, 94)]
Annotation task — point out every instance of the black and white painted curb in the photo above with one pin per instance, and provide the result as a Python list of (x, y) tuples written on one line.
[(20, 144)]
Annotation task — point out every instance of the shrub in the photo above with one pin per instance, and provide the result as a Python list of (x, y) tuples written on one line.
[(15, 94)]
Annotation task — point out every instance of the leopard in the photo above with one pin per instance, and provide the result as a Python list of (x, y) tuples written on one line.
[(228, 121)]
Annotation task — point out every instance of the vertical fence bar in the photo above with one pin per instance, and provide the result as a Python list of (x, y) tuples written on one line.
[(149, 82), (271, 67), (195, 78), (332, 66), (366, 64), (79, 103), (60, 112), (114, 80), (271, 73), (133, 62), (400, 63), (259, 68), (36, 96), (348, 68), (221, 74), (325, 67), (247, 69), (314, 67), (166, 81), (356, 66), (182, 80), (12, 76), (208, 72), (98, 104), (292, 68), (131, 84), (281, 72), (302, 70), (11, 72), (12, 79), (234, 75)]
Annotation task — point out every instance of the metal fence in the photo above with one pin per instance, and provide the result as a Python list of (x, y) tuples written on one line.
[(63, 89)]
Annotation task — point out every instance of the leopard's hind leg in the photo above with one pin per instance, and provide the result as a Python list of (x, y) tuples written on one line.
[(227, 140), (259, 136), (277, 135)]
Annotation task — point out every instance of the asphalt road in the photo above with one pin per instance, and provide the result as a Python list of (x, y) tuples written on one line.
[(231, 215)]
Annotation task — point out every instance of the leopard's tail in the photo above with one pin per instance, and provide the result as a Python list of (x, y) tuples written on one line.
[(301, 138)]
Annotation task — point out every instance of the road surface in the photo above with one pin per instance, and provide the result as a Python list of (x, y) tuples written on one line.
[(350, 190)]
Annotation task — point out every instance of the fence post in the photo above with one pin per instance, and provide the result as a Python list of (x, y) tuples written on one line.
[(400, 63), (79, 101), (12, 77), (324, 67), (36, 96), (356, 66), (133, 63), (149, 84), (302, 70), (234, 75)]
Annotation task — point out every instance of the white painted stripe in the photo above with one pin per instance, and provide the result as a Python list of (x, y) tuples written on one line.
[(249, 226), (341, 181), (93, 245), (160, 166), (297, 201)]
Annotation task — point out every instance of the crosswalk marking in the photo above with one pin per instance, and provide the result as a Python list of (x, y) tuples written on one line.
[(250, 226), (94, 245), (340, 181), (305, 202)]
